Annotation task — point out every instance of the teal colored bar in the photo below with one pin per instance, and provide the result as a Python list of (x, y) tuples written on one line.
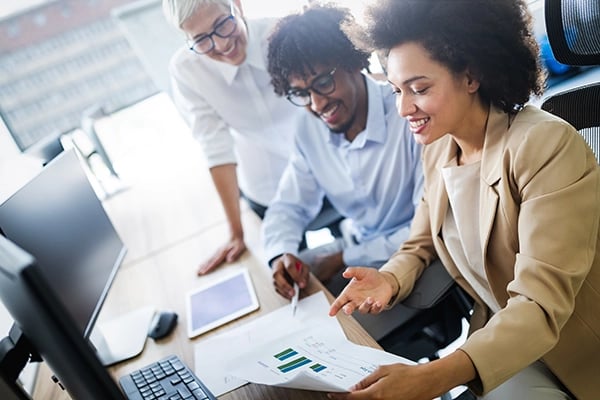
[(318, 367), (287, 353), (294, 364)]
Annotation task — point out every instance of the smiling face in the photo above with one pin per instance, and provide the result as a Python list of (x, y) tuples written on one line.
[(344, 110), (433, 99), (230, 50)]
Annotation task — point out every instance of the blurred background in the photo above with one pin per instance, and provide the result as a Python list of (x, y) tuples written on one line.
[(66, 63)]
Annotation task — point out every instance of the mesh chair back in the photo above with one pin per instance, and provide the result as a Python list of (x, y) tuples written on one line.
[(573, 28), (581, 108)]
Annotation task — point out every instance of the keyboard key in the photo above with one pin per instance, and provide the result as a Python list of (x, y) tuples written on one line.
[(169, 379)]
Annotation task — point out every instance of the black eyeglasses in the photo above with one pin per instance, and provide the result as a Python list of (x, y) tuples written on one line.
[(323, 84), (223, 29)]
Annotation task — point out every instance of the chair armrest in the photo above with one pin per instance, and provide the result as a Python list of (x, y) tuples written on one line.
[(431, 287)]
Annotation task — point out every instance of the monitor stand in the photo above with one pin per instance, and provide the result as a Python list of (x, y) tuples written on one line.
[(122, 338), (15, 352)]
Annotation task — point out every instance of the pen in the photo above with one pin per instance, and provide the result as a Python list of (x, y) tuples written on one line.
[(296, 291), (295, 299)]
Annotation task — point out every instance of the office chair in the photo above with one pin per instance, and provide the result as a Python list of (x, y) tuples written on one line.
[(573, 28)]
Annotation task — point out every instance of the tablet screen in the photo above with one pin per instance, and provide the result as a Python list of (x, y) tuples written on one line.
[(219, 302)]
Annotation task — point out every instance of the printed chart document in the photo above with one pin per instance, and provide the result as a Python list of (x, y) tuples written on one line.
[(214, 355), (311, 360)]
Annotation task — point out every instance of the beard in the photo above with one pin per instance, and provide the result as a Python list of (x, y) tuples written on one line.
[(343, 128)]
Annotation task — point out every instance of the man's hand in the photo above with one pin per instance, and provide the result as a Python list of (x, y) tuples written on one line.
[(229, 252), (288, 269)]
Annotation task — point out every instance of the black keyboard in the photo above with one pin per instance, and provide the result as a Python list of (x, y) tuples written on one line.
[(167, 379)]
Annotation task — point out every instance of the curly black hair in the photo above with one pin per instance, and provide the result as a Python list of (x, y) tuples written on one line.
[(493, 39), (312, 38)]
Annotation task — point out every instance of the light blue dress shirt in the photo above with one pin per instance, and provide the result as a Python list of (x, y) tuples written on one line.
[(376, 180)]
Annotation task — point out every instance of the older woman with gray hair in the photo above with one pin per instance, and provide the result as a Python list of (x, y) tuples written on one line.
[(222, 89)]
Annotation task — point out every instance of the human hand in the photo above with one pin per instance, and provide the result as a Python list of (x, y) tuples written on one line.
[(367, 292), (288, 269), (229, 252), (395, 381)]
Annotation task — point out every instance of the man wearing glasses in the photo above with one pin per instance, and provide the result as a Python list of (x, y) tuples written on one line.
[(351, 147), (222, 89)]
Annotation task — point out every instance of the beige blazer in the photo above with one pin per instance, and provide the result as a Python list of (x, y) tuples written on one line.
[(539, 215)]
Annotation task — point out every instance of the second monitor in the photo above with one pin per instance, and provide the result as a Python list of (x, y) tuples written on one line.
[(58, 218)]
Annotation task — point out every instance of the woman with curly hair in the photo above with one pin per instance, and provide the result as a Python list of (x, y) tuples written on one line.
[(511, 206)]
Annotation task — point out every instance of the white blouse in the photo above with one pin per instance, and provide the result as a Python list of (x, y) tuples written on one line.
[(461, 227)]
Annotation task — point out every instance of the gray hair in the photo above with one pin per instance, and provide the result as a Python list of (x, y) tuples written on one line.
[(178, 11)]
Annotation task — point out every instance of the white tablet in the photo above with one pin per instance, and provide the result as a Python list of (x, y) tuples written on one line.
[(220, 301)]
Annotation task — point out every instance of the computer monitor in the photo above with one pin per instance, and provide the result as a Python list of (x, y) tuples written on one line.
[(58, 219), (44, 326)]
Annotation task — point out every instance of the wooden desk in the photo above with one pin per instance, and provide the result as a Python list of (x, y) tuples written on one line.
[(162, 281)]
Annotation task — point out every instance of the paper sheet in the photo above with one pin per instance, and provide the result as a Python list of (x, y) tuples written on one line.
[(311, 360), (214, 355)]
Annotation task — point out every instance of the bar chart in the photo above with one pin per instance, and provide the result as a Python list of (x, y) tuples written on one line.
[(296, 362)]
